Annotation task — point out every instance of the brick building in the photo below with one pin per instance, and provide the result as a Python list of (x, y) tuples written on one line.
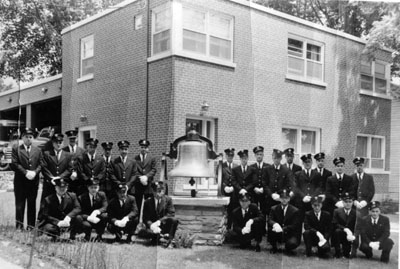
[(241, 74)]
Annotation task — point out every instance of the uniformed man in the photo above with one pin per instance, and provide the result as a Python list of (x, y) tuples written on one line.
[(92, 165), (344, 222), (57, 163), (323, 173), (284, 224), (375, 233), (365, 190), (261, 188), (289, 155), (124, 167), (122, 214), (146, 167), (243, 176), (26, 162), (337, 185), (317, 228), (159, 215), (94, 210), (227, 184), (248, 223), (58, 211), (279, 178), (109, 178), (76, 152)]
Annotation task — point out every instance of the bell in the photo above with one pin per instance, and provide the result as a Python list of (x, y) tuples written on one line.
[(192, 160)]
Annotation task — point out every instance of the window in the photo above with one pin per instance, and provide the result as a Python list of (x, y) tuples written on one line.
[(305, 59), (162, 30), (138, 20), (374, 76), (372, 148), (87, 56), (303, 140), (85, 133)]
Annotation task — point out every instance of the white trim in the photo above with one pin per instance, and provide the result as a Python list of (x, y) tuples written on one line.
[(383, 152), (93, 133), (85, 78), (298, 137), (32, 84), (83, 41), (309, 81), (369, 93)]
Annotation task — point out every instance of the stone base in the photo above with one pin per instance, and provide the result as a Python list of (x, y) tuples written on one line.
[(202, 216), (6, 181)]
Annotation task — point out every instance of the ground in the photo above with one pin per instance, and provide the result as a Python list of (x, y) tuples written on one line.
[(15, 247)]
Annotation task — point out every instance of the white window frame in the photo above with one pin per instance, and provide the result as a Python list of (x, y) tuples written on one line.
[(82, 42), (305, 78), (153, 28), (368, 168), (93, 134), (138, 21), (373, 76)]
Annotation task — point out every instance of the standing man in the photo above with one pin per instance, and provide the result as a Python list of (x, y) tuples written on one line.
[(243, 176), (56, 164), (26, 162), (364, 190), (261, 188), (322, 172), (125, 170), (146, 167), (92, 165), (109, 178), (159, 215), (76, 153), (289, 155), (375, 233), (279, 178), (317, 228), (337, 185), (227, 184)]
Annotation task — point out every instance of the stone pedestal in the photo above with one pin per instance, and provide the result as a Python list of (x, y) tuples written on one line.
[(6, 181), (202, 216)]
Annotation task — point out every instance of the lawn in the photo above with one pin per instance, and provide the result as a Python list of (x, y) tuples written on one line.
[(140, 255)]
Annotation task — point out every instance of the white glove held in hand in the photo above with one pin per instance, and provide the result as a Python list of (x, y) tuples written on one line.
[(374, 245), (339, 204), (30, 174), (277, 228), (362, 204), (307, 199), (73, 175), (67, 219), (275, 196), (228, 189), (245, 230), (291, 194), (155, 227), (118, 223), (356, 204), (258, 190), (143, 180), (96, 213), (62, 224), (242, 191), (93, 219)]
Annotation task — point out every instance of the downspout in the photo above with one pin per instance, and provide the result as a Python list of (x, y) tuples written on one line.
[(147, 69)]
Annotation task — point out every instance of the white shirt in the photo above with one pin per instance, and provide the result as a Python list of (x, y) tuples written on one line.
[(59, 198), (360, 176), (123, 159), (284, 208), (244, 211), (244, 168), (339, 176), (347, 211), (27, 147), (58, 154), (375, 221), (91, 199), (142, 157), (72, 148), (260, 165), (277, 167), (107, 159), (318, 215), (90, 156), (321, 170)]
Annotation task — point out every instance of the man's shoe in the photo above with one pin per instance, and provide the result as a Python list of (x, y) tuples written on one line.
[(257, 248), (99, 238), (87, 237)]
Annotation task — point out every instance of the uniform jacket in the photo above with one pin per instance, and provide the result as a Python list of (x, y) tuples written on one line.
[(21, 162), (89, 169), (323, 178), (109, 177), (341, 220), (145, 168), (364, 190), (52, 167), (52, 211), (151, 214), (262, 177), (125, 173), (243, 181), (280, 179), (78, 153), (323, 225), (227, 177), (100, 203), (290, 223), (372, 233), (117, 212), (306, 185), (295, 168), (335, 189), (238, 221)]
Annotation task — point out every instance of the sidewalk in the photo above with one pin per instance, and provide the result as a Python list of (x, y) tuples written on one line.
[(394, 222), (7, 265)]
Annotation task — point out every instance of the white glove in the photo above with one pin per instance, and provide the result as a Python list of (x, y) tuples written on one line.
[(291, 194), (125, 220), (277, 228), (246, 230), (275, 196), (356, 204), (62, 224), (322, 242), (143, 180), (350, 237), (362, 204), (118, 223), (53, 180), (339, 204), (73, 175), (322, 196), (155, 227), (242, 191), (67, 219), (307, 199), (227, 189), (374, 245), (96, 212), (249, 223), (93, 219), (347, 231), (320, 236), (30, 174)]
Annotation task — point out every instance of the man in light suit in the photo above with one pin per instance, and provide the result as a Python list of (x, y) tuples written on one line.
[(125, 168), (26, 162), (261, 188), (76, 153), (227, 184)]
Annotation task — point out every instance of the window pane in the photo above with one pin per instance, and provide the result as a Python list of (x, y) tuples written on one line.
[(295, 66), (289, 138), (87, 66), (308, 141), (366, 83), (314, 70), (161, 42), (362, 146), (220, 48), (192, 124), (379, 70), (295, 47), (220, 26), (208, 134), (314, 52), (377, 163), (366, 67), (162, 20), (88, 48), (376, 147), (194, 20), (380, 85), (193, 41)]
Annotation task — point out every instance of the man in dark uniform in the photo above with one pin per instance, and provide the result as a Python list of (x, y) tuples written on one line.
[(322, 172), (124, 167), (243, 176), (76, 152), (279, 178), (109, 178), (289, 155), (122, 214), (364, 190), (159, 215), (58, 211), (56, 164), (284, 224), (248, 223), (337, 185), (317, 228), (26, 162), (306, 186), (344, 221), (227, 184), (94, 210), (262, 183), (146, 167), (375, 233), (91, 165)]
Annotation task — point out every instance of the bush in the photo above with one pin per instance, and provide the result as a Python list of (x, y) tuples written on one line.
[(389, 206)]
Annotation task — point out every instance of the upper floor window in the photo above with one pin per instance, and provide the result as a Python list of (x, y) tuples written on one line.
[(375, 76), (161, 30), (87, 56), (305, 59), (303, 140), (372, 148)]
